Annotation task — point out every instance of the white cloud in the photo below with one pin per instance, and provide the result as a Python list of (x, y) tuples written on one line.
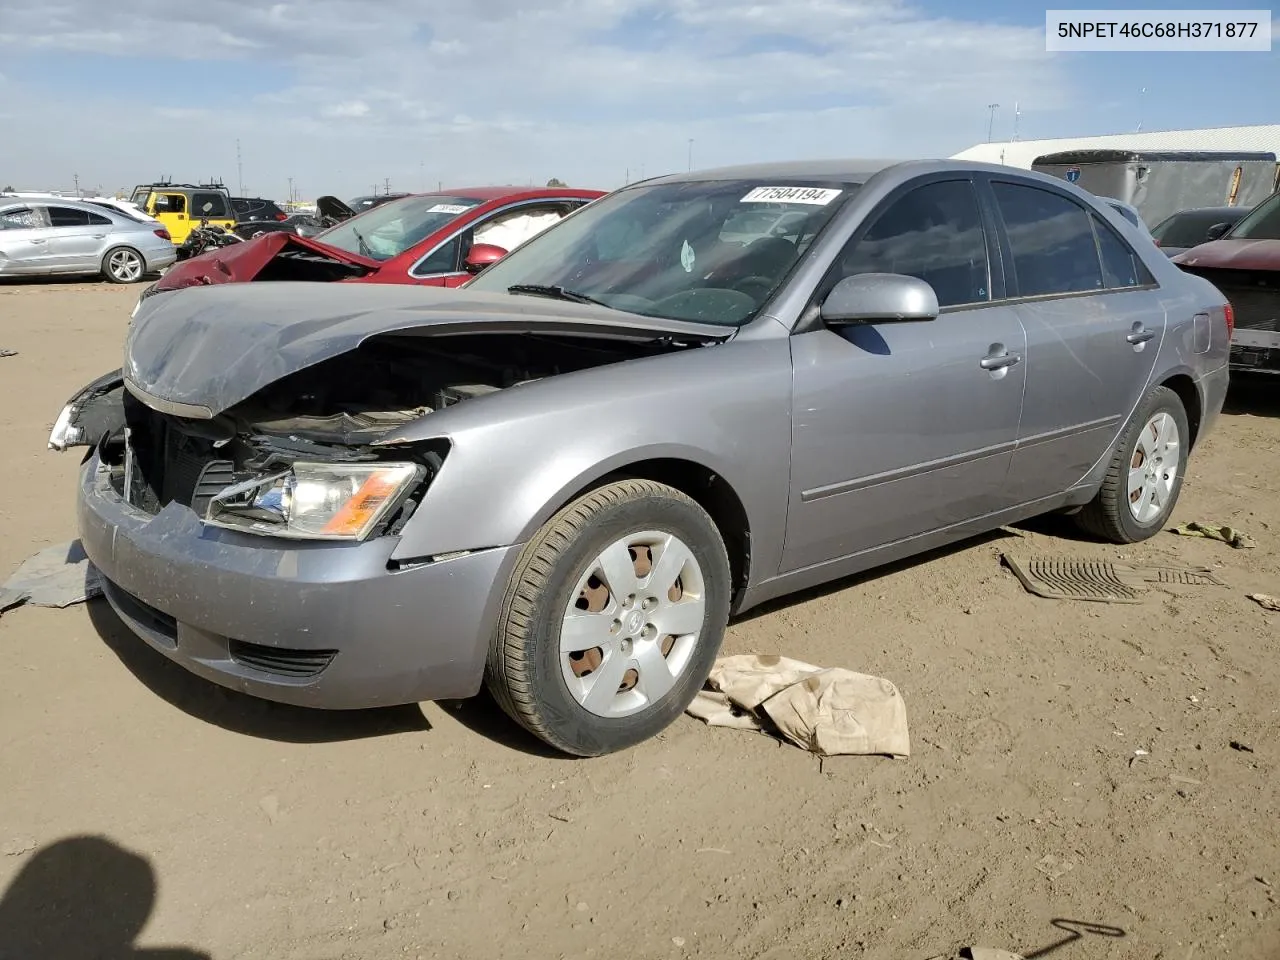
[(423, 91), (348, 108)]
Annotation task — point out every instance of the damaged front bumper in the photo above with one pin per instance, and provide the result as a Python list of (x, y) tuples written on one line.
[(316, 624)]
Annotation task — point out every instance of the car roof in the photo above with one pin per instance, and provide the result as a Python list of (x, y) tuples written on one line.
[(1214, 210), (12, 201), (852, 170)]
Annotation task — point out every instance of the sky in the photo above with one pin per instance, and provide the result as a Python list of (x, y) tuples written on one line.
[(340, 95)]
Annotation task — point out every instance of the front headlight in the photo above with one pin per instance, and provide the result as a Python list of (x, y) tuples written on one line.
[(316, 501)]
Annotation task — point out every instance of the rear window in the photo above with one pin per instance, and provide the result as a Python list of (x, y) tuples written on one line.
[(211, 205)]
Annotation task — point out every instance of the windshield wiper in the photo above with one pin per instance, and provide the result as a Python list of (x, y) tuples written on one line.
[(364, 247), (556, 293)]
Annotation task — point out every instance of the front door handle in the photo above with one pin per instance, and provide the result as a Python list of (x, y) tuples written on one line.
[(1140, 335), (99, 236), (40, 241), (998, 361)]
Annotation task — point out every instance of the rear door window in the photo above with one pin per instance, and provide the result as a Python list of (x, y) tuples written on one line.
[(68, 217), (1054, 251)]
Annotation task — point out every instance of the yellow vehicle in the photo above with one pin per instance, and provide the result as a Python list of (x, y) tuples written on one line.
[(181, 206)]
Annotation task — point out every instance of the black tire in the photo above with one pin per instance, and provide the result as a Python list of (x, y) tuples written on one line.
[(109, 265), (524, 672), (1108, 516)]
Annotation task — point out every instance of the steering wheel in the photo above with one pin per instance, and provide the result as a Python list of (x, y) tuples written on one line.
[(763, 284)]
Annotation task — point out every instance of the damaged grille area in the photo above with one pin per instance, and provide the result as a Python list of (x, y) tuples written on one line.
[(336, 411), (1255, 299)]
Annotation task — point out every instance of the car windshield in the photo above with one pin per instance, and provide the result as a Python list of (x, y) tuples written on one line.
[(708, 251), (390, 229), (1261, 223), (1188, 229)]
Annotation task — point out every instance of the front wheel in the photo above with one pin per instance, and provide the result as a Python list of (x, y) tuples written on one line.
[(612, 620), (1145, 476), (124, 265)]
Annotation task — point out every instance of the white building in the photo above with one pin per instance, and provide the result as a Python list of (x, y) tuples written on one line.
[(1021, 153)]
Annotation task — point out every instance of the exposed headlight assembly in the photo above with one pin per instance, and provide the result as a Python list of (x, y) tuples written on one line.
[(316, 501)]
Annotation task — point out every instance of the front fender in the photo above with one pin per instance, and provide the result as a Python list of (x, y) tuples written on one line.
[(518, 456)]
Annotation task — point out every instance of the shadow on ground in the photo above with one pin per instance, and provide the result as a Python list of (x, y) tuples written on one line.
[(238, 712), (1256, 395), (82, 897), (869, 576)]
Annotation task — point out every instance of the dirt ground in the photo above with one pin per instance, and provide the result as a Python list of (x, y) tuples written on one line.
[(239, 829)]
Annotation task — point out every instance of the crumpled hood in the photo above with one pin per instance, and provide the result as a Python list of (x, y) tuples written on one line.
[(1233, 255), (328, 206), (241, 262), (200, 351)]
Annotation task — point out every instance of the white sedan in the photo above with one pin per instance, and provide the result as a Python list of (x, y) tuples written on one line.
[(42, 237)]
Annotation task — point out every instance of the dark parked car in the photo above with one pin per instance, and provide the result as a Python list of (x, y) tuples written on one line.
[(361, 204), (1244, 263), (564, 477), (255, 210), (1190, 228)]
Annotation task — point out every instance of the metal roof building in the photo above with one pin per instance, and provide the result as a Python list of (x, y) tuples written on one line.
[(1021, 153)]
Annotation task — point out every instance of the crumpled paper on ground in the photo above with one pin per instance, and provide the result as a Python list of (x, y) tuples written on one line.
[(1212, 531), (55, 577), (827, 711), (1266, 601)]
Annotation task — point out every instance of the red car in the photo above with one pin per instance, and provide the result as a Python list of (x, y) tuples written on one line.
[(1245, 265), (437, 239)]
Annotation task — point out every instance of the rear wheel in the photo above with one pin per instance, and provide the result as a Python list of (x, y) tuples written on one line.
[(1145, 476), (613, 618), (124, 265)]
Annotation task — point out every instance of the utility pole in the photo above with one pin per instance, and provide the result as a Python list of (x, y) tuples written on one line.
[(76, 178), (239, 169), (690, 153), (1017, 115), (291, 191), (627, 178), (991, 123), (387, 185)]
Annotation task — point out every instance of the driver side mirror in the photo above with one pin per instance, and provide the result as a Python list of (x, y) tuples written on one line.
[(879, 298), (1216, 231), (482, 255)]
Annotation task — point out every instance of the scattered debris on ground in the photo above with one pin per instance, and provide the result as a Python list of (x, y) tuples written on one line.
[(827, 711), (1212, 531), (57, 576), (1266, 601), (1063, 578), (8, 353)]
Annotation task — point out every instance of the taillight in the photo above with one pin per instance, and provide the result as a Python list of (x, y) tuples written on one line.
[(1229, 315), (282, 216), (163, 234)]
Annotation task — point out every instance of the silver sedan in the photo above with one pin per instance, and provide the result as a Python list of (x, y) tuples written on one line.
[(564, 477), (43, 237)]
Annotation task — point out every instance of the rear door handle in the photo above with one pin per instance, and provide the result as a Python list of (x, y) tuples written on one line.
[(99, 236), (1141, 335), (40, 241)]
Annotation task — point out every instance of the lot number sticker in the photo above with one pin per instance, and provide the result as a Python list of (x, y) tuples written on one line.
[(449, 208), (816, 196)]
